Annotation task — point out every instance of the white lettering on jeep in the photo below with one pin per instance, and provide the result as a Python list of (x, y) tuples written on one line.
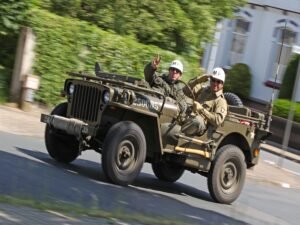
[(145, 104)]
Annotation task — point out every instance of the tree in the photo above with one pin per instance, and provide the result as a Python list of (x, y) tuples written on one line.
[(238, 80)]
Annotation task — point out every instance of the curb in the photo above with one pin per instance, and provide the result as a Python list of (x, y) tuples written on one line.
[(286, 154), (282, 155)]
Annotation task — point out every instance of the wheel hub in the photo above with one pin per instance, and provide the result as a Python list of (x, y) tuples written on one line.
[(125, 152), (229, 175), (125, 156)]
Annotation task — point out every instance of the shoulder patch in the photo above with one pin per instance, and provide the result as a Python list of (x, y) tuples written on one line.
[(158, 80)]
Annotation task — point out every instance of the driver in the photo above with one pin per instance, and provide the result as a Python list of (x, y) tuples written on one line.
[(168, 84)]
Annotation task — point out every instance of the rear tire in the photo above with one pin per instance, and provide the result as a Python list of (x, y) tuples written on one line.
[(227, 175), (61, 146), (167, 172), (124, 152)]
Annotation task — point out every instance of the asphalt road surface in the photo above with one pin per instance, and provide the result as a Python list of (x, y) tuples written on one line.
[(27, 170)]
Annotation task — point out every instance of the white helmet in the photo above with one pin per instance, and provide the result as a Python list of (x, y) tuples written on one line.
[(177, 65), (219, 74)]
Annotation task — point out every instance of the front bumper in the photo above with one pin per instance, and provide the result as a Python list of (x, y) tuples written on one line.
[(71, 126)]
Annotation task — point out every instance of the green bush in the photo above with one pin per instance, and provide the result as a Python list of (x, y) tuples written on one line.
[(4, 83), (238, 80), (65, 44), (286, 89), (8, 45), (282, 107)]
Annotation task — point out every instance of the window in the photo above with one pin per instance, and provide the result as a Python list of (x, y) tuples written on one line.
[(282, 52), (239, 41)]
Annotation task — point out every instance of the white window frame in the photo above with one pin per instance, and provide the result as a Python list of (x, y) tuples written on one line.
[(277, 71), (238, 42)]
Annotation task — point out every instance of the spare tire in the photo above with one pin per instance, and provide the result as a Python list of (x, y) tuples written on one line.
[(233, 99)]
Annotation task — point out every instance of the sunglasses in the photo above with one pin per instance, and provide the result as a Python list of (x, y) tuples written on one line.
[(175, 70), (216, 81)]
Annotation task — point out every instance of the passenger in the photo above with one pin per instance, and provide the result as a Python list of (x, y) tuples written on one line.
[(210, 105), (168, 84)]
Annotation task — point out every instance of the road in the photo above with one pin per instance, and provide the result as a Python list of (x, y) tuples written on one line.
[(27, 170)]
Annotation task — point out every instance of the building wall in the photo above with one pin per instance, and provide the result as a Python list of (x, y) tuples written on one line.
[(259, 52)]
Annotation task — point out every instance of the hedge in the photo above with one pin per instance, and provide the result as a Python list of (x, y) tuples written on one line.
[(286, 89), (282, 107), (66, 44)]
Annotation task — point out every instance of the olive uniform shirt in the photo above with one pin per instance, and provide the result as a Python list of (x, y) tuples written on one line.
[(163, 84), (214, 103)]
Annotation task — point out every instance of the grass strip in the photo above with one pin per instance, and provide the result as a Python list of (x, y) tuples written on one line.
[(75, 209)]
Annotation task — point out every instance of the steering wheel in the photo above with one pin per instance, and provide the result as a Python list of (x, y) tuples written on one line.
[(188, 88), (184, 106)]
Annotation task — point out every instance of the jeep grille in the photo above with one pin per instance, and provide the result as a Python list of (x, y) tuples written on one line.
[(85, 103)]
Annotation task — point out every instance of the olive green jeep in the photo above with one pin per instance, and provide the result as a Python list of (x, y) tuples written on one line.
[(129, 124)]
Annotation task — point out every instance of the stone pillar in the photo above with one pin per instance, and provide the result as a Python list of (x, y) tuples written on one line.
[(23, 63)]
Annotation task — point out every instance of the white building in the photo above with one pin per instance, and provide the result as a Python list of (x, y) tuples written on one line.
[(254, 37)]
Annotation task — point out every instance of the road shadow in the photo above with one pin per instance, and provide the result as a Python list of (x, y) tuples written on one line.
[(83, 183), (94, 171)]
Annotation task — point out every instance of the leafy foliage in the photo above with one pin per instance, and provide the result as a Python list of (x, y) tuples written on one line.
[(7, 53), (238, 80), (282, 107), (65, 44), (286, 91), (4, 81), (12, 14), (175, 25)]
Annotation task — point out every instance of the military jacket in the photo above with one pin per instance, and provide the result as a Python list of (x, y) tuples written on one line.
[(163, 84), (214, 103)]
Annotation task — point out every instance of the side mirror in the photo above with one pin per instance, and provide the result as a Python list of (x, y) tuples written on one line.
[(97, 69)]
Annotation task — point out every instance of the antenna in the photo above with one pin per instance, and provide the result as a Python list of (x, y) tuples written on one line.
[(270, 108)]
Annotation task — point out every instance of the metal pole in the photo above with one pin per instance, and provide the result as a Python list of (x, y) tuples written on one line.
[(270, 106), (289, 122)]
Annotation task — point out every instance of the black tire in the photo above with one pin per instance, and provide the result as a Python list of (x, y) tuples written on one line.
[(167, 172), (61, 146), (227, 175), (124, 152), (233, 99)]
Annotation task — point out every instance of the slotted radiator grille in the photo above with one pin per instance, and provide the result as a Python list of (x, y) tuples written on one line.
[(85, 103)]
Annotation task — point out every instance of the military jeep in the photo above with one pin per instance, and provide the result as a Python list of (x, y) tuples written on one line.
[(127, 122)]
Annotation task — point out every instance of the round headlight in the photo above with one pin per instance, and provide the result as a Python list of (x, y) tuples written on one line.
[(71, 89), (106, 96)]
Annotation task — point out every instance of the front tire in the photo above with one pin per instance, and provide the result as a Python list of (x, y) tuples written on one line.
[(227, 176), (167, 172), (61, 146), (124, 152)]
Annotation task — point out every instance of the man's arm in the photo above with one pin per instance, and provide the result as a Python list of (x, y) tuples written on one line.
[(150, 68), (149, 73), (217, 117), (196, 84)]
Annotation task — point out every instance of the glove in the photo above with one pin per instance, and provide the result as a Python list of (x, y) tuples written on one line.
[(203, 78), (197, 107)]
